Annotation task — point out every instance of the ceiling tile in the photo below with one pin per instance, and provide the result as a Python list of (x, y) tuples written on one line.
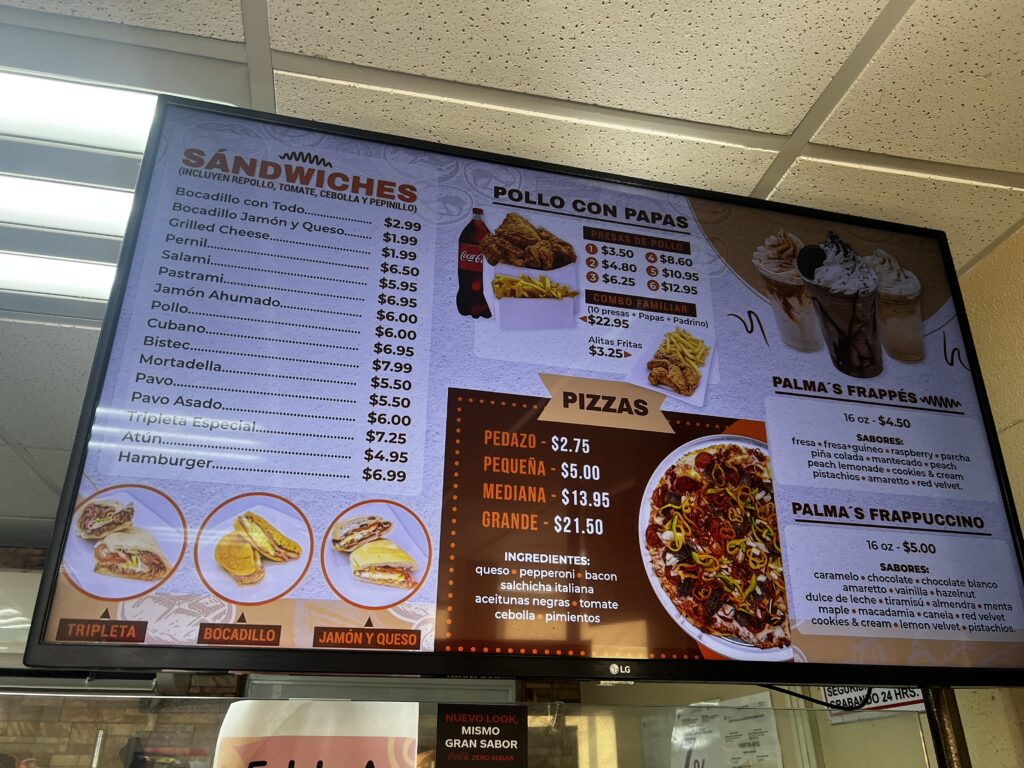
[(211, 18), (52, 463), (724, 168), (25, 495), (946, 86), (750, 65), (41, 402), (995, 283), (972, 215)]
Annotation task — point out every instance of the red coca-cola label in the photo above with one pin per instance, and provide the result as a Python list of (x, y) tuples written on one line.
[(471, 258)]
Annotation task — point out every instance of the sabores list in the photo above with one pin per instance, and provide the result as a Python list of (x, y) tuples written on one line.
[(283, 331)]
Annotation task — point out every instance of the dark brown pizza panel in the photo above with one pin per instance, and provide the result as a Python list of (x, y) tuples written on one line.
[(540, 551)]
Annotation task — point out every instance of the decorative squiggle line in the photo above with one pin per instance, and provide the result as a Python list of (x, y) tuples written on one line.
[(306, 157), (748, 325), (954, 355)]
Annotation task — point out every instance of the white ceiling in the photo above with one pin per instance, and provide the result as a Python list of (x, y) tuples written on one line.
[(907, 110), (945, 86), (749, 65)]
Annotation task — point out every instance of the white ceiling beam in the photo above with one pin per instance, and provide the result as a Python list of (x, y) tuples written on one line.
[(858, 60), (36, 241), (63, 310), (64, 162), (915, 167), (543, 106), (972, 262), (128, 65), (256, 28), (179, 42)]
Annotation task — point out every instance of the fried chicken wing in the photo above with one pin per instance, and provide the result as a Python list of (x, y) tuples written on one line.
[(665, 373), (517, 242)]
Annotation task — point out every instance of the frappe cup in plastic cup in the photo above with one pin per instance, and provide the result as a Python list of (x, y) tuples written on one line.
[(775, 261), (849, 323), (899, 308), (902, 331), (843, 290), (792, 310)]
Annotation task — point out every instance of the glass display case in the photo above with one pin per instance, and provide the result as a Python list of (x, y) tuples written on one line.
[(668, 726)]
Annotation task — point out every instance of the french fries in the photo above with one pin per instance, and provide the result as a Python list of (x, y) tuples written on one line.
[(526, 287), (677, 362), (683, 348)]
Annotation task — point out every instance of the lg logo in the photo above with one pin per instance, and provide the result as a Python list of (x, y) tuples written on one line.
[(619, 669)]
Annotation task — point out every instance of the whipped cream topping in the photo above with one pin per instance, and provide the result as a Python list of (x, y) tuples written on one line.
[(777, 256), (892, 278), (843, 271)]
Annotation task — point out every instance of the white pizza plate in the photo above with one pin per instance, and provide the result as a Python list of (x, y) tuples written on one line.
[(281, 577), (153, 513), (733, 649), (406, 532)]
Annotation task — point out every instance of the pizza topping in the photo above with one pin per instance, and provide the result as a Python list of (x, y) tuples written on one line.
[(714, 542)]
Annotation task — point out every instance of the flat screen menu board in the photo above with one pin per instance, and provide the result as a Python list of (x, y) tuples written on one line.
[(368, 404)]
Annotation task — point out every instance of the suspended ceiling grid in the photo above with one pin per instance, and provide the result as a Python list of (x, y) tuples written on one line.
[(907, 110)]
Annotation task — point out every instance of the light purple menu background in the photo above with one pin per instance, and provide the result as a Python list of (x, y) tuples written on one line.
[(456, 351)]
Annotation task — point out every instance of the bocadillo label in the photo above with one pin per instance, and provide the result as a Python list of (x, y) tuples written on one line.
[(239, 634)]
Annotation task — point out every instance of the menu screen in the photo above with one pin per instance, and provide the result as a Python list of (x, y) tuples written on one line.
[(368, 396)]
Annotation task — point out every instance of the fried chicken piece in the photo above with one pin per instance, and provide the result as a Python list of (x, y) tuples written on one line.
[(665, 373), (562, 252), (518, 231), (498, 251), (517, 242)]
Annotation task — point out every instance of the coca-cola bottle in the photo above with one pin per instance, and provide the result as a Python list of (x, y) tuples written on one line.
[(470, 299)]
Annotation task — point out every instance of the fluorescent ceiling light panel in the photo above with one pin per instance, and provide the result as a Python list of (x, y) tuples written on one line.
[(54, 205), (58, 277), (73, 113)]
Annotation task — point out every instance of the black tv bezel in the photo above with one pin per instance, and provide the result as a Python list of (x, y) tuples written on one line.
[(88, 656)]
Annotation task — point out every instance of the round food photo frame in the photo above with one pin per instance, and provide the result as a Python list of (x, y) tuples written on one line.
[(709, 540), (376, 554)]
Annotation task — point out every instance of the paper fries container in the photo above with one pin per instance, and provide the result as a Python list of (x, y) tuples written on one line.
[(521, 314)]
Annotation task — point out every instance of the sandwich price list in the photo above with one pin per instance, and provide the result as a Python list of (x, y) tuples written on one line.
[(391, 418), (288, 346)]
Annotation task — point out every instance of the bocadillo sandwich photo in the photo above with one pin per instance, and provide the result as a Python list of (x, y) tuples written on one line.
[(239, 559), (266, 539)]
